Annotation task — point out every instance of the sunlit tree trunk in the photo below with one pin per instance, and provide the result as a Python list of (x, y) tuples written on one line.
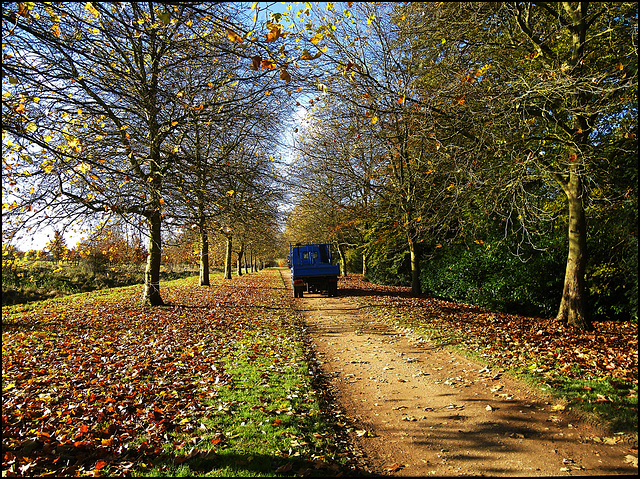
[(416, 288), (365, 258), (572, 310), (152, 272), (343, 261)]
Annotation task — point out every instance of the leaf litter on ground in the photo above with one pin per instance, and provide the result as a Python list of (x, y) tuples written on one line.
[(97, 384)]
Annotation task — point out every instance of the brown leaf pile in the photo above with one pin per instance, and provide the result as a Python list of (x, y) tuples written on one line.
[(94, 379), (511, 341)]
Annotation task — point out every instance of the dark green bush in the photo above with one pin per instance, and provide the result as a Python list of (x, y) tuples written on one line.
[(491, 276)]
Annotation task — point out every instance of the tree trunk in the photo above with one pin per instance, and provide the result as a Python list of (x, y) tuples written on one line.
[(239, 260), (572, 310), (204, 256), (343, 261), (227, 259), (365, 256), (152, 272), (416, 288)]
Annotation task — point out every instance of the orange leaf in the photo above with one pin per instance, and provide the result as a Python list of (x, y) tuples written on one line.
[(100, 465), (268, 65), (275, 32), (234, 37), (573, 157)]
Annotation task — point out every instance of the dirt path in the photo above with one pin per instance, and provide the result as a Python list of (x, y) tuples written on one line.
[(423, 411)]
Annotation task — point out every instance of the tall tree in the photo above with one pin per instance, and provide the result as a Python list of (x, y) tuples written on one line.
[(550, 88)]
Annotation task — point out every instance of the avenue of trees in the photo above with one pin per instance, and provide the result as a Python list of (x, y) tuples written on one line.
[(452, 146), (155, 113), (441, 128)]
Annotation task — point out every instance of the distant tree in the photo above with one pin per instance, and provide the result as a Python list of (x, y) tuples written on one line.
[(57, 247)]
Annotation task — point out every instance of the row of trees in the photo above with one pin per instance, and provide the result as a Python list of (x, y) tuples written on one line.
[(163, 115), (439, 123), (431, 124)]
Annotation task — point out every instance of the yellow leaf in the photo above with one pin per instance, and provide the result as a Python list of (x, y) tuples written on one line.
[(230, 192), (91, 9), (374, 120), (316, 39), (83, 167)]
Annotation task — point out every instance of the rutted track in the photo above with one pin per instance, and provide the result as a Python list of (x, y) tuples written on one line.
[(421, 410)]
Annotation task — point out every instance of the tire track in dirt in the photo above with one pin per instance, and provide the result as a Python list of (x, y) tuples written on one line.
[(421, 410)]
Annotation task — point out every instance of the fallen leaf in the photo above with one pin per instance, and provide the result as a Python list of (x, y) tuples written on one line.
[(393, 467)]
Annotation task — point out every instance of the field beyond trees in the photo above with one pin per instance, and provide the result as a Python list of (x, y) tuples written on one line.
[(218, 380)]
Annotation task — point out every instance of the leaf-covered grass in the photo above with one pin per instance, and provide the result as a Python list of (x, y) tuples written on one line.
[(595, 372), (215, 383)]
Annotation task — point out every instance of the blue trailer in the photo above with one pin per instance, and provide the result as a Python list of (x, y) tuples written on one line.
[(311, 269)]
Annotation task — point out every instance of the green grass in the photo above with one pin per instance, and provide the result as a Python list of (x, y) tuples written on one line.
[(267, 421)]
